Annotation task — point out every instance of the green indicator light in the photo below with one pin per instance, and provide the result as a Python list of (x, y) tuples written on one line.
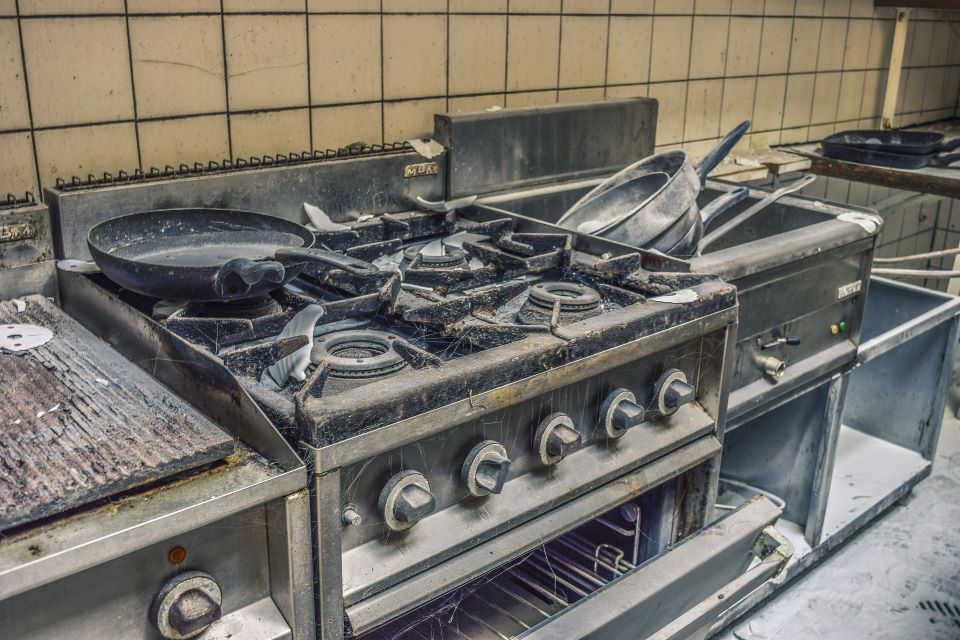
[(842, 325)]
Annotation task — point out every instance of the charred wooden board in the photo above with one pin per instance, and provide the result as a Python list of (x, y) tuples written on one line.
[(79, 423)]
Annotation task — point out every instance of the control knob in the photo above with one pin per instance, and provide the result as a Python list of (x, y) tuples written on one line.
[(620, 412), (672, 391), (555, 438), (406, 499), (485, 469), (187, 605)]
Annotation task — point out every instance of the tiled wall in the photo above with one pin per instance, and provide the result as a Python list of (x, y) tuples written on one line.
[(101, 85)]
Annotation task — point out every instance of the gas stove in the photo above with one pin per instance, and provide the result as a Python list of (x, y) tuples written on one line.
[(450, 286), (496, 391)]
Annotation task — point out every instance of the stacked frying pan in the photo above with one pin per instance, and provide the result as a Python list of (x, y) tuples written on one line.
[(896, 149), (653, 202)]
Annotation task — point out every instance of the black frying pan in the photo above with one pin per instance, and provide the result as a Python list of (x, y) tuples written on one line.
[(884, 158), (915, 143), (208, 254)]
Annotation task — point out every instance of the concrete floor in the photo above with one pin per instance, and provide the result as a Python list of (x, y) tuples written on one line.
[(899, 578)]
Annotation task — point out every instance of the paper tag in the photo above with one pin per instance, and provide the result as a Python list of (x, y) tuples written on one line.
[(682, 296), (79, 266), (20, 337)]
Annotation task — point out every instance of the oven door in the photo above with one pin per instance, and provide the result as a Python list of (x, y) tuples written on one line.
[(682, 591), (582, 584)]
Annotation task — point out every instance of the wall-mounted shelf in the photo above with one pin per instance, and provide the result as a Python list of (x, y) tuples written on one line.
[(918, 4)]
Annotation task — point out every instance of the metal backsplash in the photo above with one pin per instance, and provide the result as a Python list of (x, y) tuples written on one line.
[(510, 149), (26, 252), (372, 181)]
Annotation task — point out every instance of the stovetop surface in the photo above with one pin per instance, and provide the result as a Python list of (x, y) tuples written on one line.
[(449, 287)]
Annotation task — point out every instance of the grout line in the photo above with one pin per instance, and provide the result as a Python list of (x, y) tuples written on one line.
[(26, 87), (306, 19), (383, 110), (182, 14), (301, 107), (226, 81), (606, 55), (506, 60), (786, 86), (723, 85), (686, 93), (559, 52), (133, 86), (447, 86)]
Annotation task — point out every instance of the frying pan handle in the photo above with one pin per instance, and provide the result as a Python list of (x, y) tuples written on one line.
[(718, 153), (722, 203), (299, 256), (949, 146), (237, 277), (945, 161)]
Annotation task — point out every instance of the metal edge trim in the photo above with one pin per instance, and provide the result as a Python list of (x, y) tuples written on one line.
[(97, 550), (406, 431)]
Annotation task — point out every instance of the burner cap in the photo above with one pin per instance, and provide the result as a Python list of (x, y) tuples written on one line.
[(452, 258), (358, 353), (577, 302), (572, 297)]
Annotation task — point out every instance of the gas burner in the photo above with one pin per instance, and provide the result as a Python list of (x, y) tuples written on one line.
[(248, 308), (577, 302), (361, 354), (452, 258)]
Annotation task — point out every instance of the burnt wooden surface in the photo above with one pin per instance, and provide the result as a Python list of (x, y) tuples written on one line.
[(942, 181), (79, 423)]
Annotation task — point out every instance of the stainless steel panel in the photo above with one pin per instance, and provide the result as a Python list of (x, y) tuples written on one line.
[(513, 148), (898, 391), (333, 185), (649, 598), (290, 543), (24, 235), (29, 279), (696, 624), (112, 599)]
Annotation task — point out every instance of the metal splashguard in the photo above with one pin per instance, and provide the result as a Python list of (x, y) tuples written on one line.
[(493, 151)]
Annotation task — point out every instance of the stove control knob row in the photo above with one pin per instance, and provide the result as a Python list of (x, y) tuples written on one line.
[(187, 605), (555, 438), (406, 499), (485, 469)]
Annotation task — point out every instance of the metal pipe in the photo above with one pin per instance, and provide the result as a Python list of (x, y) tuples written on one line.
[(550, 572), (586, 554), (519, 598), (549, 595)]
